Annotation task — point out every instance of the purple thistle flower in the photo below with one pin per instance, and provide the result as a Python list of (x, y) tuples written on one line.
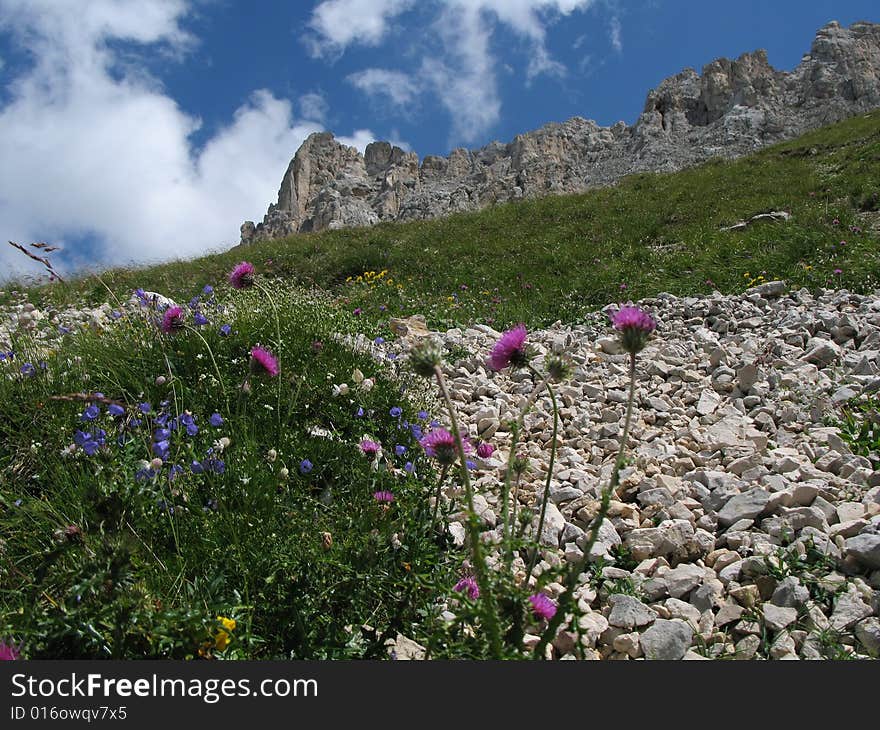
[(9, 652), (635, 326), (542, 606), (263, 361), (510, 349), (468, 584), (216, 420), (242, 276), (485, 450), (441, 445), (383, 497), (370, 448), (838, 271), (172, 320)]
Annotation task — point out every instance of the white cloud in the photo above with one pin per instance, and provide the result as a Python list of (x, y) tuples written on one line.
[(359, 139), (461, 73), (614, 34), (395, 86), (313, 106), (340, 23), (93, 148)]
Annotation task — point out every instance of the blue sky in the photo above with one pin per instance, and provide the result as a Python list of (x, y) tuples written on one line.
[(143, 130)]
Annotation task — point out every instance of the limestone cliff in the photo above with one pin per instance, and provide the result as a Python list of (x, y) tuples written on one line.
[(731, 109)]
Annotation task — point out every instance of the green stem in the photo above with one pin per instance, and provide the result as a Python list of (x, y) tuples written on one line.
[(488, 603), (567, 598), (505, 490), (437, 495), (268, 296), (546, 497), (216, 369)]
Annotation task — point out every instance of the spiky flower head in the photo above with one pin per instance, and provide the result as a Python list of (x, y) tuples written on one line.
[(542, 606), (469, 585), (242, 276), (521, 464), (172, 320), (441, 445), (559, 367), (510, 350), (370, 448), (425, 357), (635, 326), (383, 497), (263, 362), (485, 450)]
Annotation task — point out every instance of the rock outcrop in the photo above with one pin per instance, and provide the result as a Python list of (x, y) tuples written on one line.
[(731, 109)]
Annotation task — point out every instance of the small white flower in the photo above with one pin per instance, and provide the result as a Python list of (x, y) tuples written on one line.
[(271, 455), (284, 472), (357, 376), (156, 464), (367, 385)]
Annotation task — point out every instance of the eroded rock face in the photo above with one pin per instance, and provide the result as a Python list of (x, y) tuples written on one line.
[(731, 109)]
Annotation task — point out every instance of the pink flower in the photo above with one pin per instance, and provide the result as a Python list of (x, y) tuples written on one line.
[(635, 326), (242, 276), (263, 362), (383, 497), (370, 448), (468, 584), (441, 445), (172, 320), (542, 606), (8, 652), (510, 349), (485, 450)]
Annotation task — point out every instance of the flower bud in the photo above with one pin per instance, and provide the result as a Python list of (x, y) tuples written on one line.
[(426, 356)]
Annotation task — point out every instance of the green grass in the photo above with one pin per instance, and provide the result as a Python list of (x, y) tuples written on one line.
[(556, 258), (99, 561)]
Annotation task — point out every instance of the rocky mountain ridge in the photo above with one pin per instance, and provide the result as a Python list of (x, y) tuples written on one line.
[(731, 109)]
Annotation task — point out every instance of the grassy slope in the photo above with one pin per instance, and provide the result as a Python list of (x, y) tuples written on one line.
[(138, 579), (541, 260)]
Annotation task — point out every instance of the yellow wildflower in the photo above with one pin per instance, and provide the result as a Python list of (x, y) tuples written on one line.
[(221, 640)]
